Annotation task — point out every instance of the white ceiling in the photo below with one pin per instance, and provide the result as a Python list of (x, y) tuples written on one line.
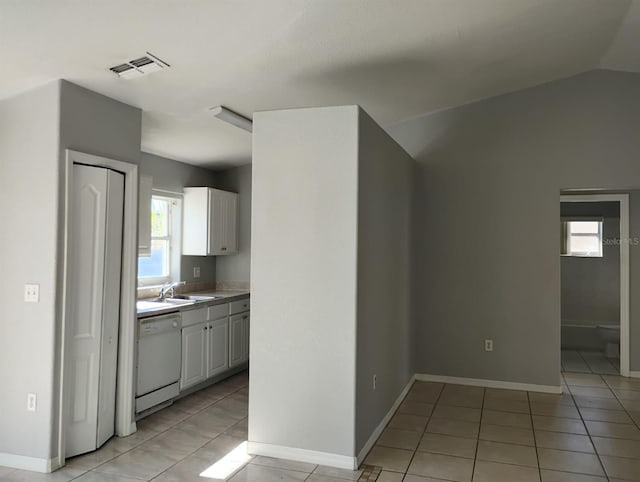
[(397, 58)]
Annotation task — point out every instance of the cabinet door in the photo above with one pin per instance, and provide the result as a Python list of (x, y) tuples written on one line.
[(245, 334), (231, 223), (194, 355), (236, 340), (195, 231), (218, 359), (216, 222)]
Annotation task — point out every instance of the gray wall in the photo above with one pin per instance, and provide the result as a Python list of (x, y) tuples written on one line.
[(35, 129), (384, 241), (95, 124), (486, 219), (590, 287), (29, 134), (303, 279), (173, 176), (235, 268)]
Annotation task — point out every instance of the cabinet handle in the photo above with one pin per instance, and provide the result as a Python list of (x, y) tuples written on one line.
[(206, 327), (223, 249)]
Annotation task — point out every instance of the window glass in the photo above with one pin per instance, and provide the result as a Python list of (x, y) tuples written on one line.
[(582, 238), (159, 217), (585, 227), (156, 269)]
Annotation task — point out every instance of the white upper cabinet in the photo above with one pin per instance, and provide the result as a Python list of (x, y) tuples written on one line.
[(210, 222), (144, 216)]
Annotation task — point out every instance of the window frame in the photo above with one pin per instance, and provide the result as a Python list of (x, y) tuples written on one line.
[(174, 232), (568, 235)]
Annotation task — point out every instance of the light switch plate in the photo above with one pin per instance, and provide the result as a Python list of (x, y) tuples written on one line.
[(31, 293), (196, 271)]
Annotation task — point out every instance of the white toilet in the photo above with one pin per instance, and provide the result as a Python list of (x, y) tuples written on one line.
[(610, 335)]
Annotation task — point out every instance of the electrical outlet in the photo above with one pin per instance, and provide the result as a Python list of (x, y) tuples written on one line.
[(31, 402), (196, 271), (32, 293), (488, 345), (375, 381)]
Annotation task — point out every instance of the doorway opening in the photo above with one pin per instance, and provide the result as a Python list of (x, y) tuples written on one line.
[(595, 283)]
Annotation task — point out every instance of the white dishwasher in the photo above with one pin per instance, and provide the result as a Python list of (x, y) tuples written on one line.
[(159, 360)]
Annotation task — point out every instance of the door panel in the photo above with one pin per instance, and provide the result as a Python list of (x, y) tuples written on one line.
[(218, 347), (88, 220), (231, 210), (236, 344), (96, 217), (111, 307), (194, 352)]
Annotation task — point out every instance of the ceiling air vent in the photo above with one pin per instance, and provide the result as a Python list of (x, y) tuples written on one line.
[(139, 67)]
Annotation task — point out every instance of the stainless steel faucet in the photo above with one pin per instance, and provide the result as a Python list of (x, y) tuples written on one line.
[(170, 287)]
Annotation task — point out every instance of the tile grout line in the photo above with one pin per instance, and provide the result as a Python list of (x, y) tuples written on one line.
[(615, 395), (475, 455), (595, 451), (424, 431), (533, 432)]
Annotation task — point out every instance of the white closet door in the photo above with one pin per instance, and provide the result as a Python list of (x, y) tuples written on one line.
[(89, 212), (111, 307)]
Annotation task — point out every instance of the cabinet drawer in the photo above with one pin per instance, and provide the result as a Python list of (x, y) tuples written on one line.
[(238, 306), (218, 311), (192, 317)]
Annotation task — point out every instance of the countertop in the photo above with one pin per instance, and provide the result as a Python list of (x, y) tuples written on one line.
[(222, 297)]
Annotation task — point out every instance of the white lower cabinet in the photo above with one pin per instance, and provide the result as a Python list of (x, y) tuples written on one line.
[(238, 339), (204, 345), (213, 341), (218, 360), (194, 355)]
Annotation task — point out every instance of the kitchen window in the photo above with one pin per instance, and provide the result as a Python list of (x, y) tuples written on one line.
[(163, 264), (582, 238)]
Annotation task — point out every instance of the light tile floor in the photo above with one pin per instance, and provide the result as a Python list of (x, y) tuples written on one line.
[(589, 362), (440, 432), (589, 433)]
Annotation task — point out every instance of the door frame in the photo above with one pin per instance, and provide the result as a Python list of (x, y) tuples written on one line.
[(623, 199), (125, 420)]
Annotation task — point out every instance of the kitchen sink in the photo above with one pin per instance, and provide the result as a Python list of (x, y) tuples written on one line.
[(174, 301), (195, 297), (149, 305)]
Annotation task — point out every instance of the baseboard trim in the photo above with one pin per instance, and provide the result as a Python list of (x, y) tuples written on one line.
[(29, 463), (634, 374), (383, 423), (302, 455), (479, 382)]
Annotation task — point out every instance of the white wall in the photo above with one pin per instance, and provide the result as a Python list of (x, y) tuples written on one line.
[(303, 279), (29, 183), (384, 272)]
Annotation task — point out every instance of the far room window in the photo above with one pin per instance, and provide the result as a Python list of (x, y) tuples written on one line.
[(582, 237), (162, 266)]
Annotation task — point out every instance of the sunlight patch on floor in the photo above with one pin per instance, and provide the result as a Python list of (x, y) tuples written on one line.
[(227, 465)]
